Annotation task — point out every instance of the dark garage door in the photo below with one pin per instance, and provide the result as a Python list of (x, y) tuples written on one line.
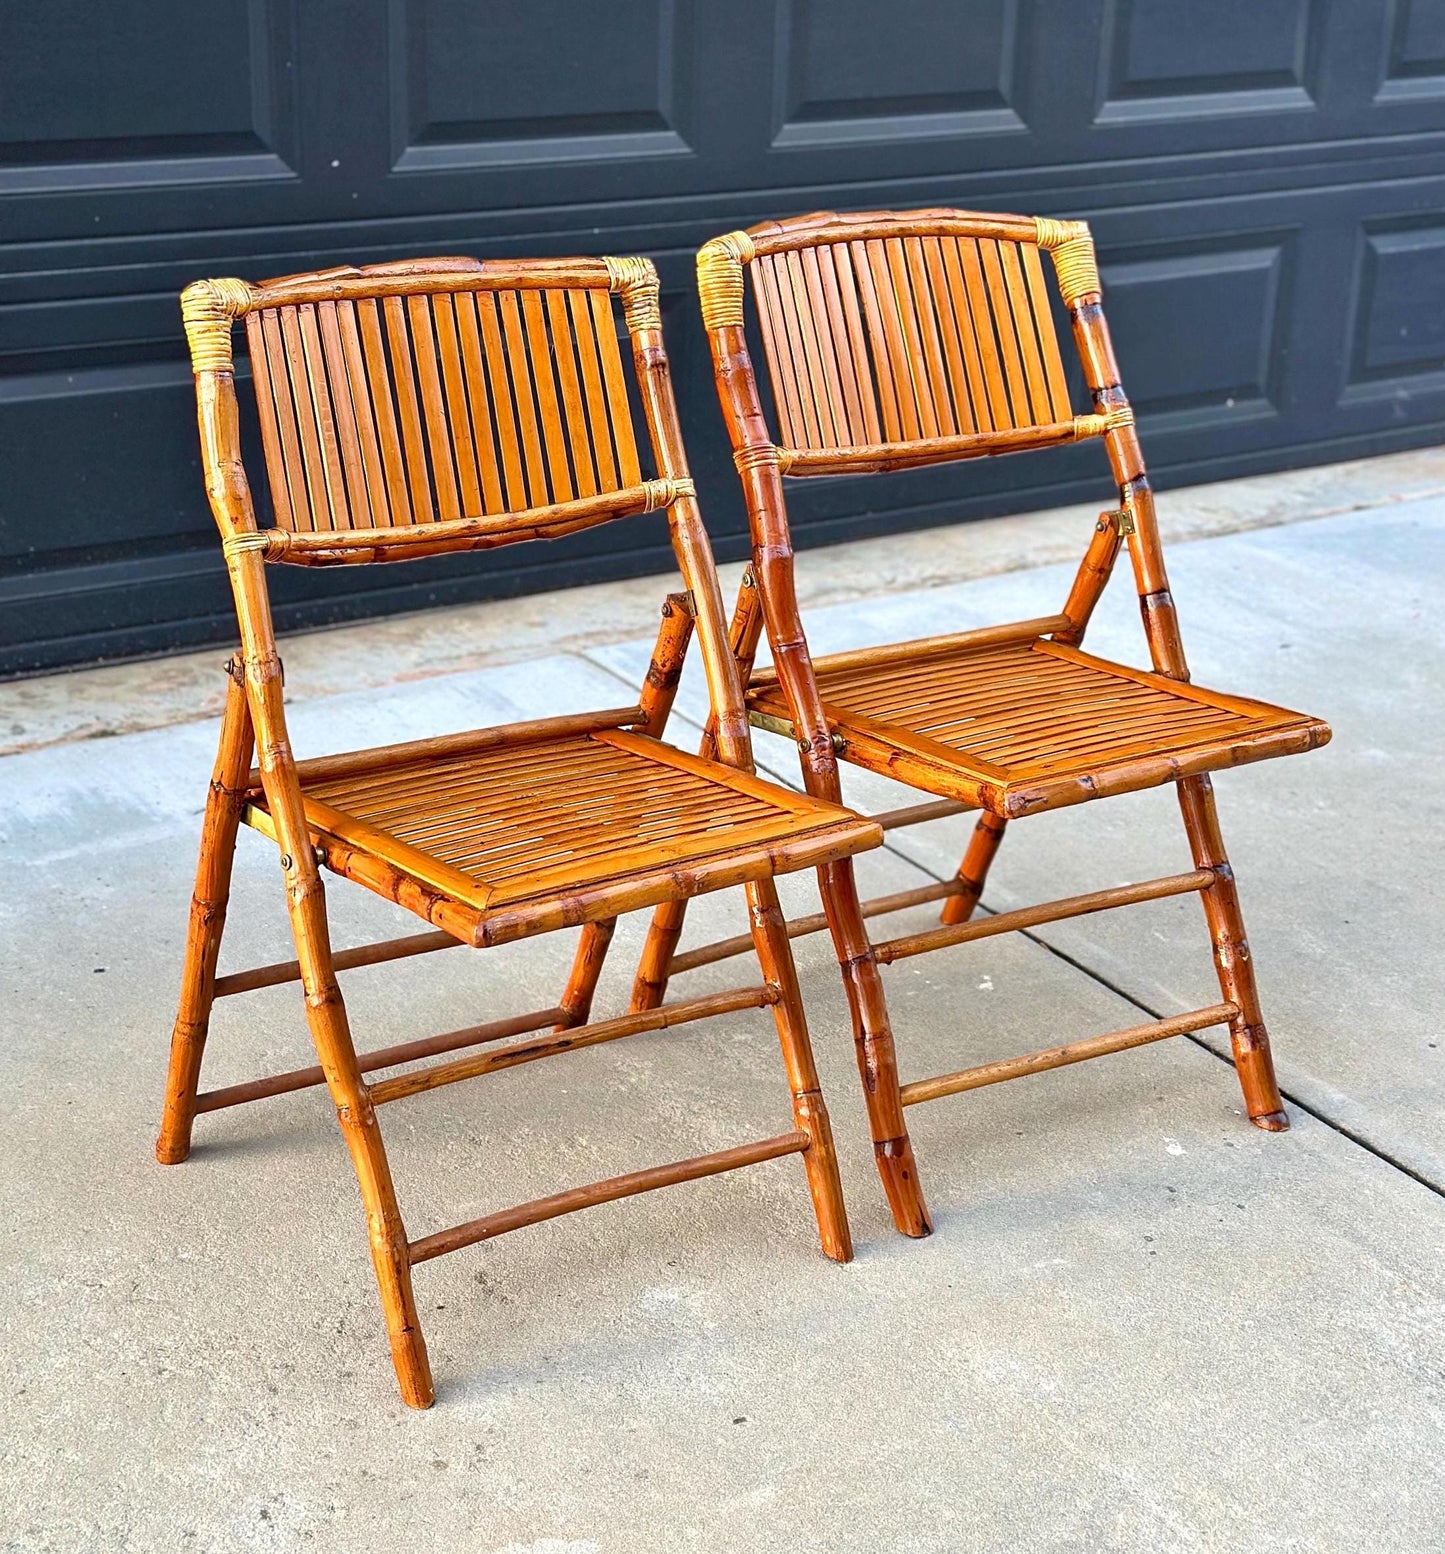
[(1266, 179)]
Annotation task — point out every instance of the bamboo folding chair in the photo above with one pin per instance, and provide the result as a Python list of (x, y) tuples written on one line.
[(895, 341), (448, 405)]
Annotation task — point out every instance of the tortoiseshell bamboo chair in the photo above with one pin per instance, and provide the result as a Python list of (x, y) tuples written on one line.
[(449, 405), (895, 341)]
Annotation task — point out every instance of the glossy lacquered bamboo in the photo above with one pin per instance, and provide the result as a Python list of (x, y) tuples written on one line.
[(649, 985), (1046, 912), (410, 409), (800, 927), (659, 691), (381, 1057), (571, 1040), (1047, 1058), (207, 923), (375, 954), (899, 340), (983, 845), (608, 1190), (772, 568)]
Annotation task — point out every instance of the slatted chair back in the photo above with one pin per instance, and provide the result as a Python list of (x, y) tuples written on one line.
[(898, 340), (438, 404), (442, 405)]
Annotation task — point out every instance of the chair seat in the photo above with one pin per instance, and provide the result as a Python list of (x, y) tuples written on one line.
[(496, 843), (1027, 725)]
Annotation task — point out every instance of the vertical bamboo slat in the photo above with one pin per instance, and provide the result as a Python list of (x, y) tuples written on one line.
[(894, 339), (398, 498)]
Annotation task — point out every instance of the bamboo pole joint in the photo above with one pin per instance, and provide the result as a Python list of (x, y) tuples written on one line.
[(1071, 246), (720, 279), (635, 281), (208, 309)]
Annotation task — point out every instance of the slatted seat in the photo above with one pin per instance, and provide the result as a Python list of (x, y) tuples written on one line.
[(585, 824), (1031, 724), (894, 341), (430, 408)]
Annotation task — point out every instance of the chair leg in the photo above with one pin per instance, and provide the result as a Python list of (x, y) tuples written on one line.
[(649, 987), (873, 1045), (326, 1015), (207, 924), (973, 871), (576, 1002), (809, 1111), (1232, 961)]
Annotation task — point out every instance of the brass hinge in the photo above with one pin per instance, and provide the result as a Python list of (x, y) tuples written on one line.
[(1122, 518), (784, 727)]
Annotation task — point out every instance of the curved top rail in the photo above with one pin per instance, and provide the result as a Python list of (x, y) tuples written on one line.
[(826, 226)]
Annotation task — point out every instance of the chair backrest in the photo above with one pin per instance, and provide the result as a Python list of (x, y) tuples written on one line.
[(438, 404), (898, 339), (901, 339), (441, 405)]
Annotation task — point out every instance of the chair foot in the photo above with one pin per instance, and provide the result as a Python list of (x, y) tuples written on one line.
[(1272, 1122), (413, 1374), (900, 1185), (171, 1151)]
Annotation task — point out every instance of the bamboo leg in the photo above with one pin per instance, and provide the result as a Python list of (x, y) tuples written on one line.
[(973, 871), (809, 1111), (576, 1001), (1232, 961), (649, 986), (207, 923), (659, 690), (326, 1015), (873, 1044)]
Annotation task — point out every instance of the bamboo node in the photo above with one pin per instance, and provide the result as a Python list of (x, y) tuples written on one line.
[(1071, 246), (635, 281), (208, 309), (720, 279)]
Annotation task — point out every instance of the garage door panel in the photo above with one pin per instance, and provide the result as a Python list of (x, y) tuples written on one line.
[(1265, 178)]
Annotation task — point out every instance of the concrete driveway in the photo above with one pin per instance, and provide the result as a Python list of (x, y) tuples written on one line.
[(1141, 1324)]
